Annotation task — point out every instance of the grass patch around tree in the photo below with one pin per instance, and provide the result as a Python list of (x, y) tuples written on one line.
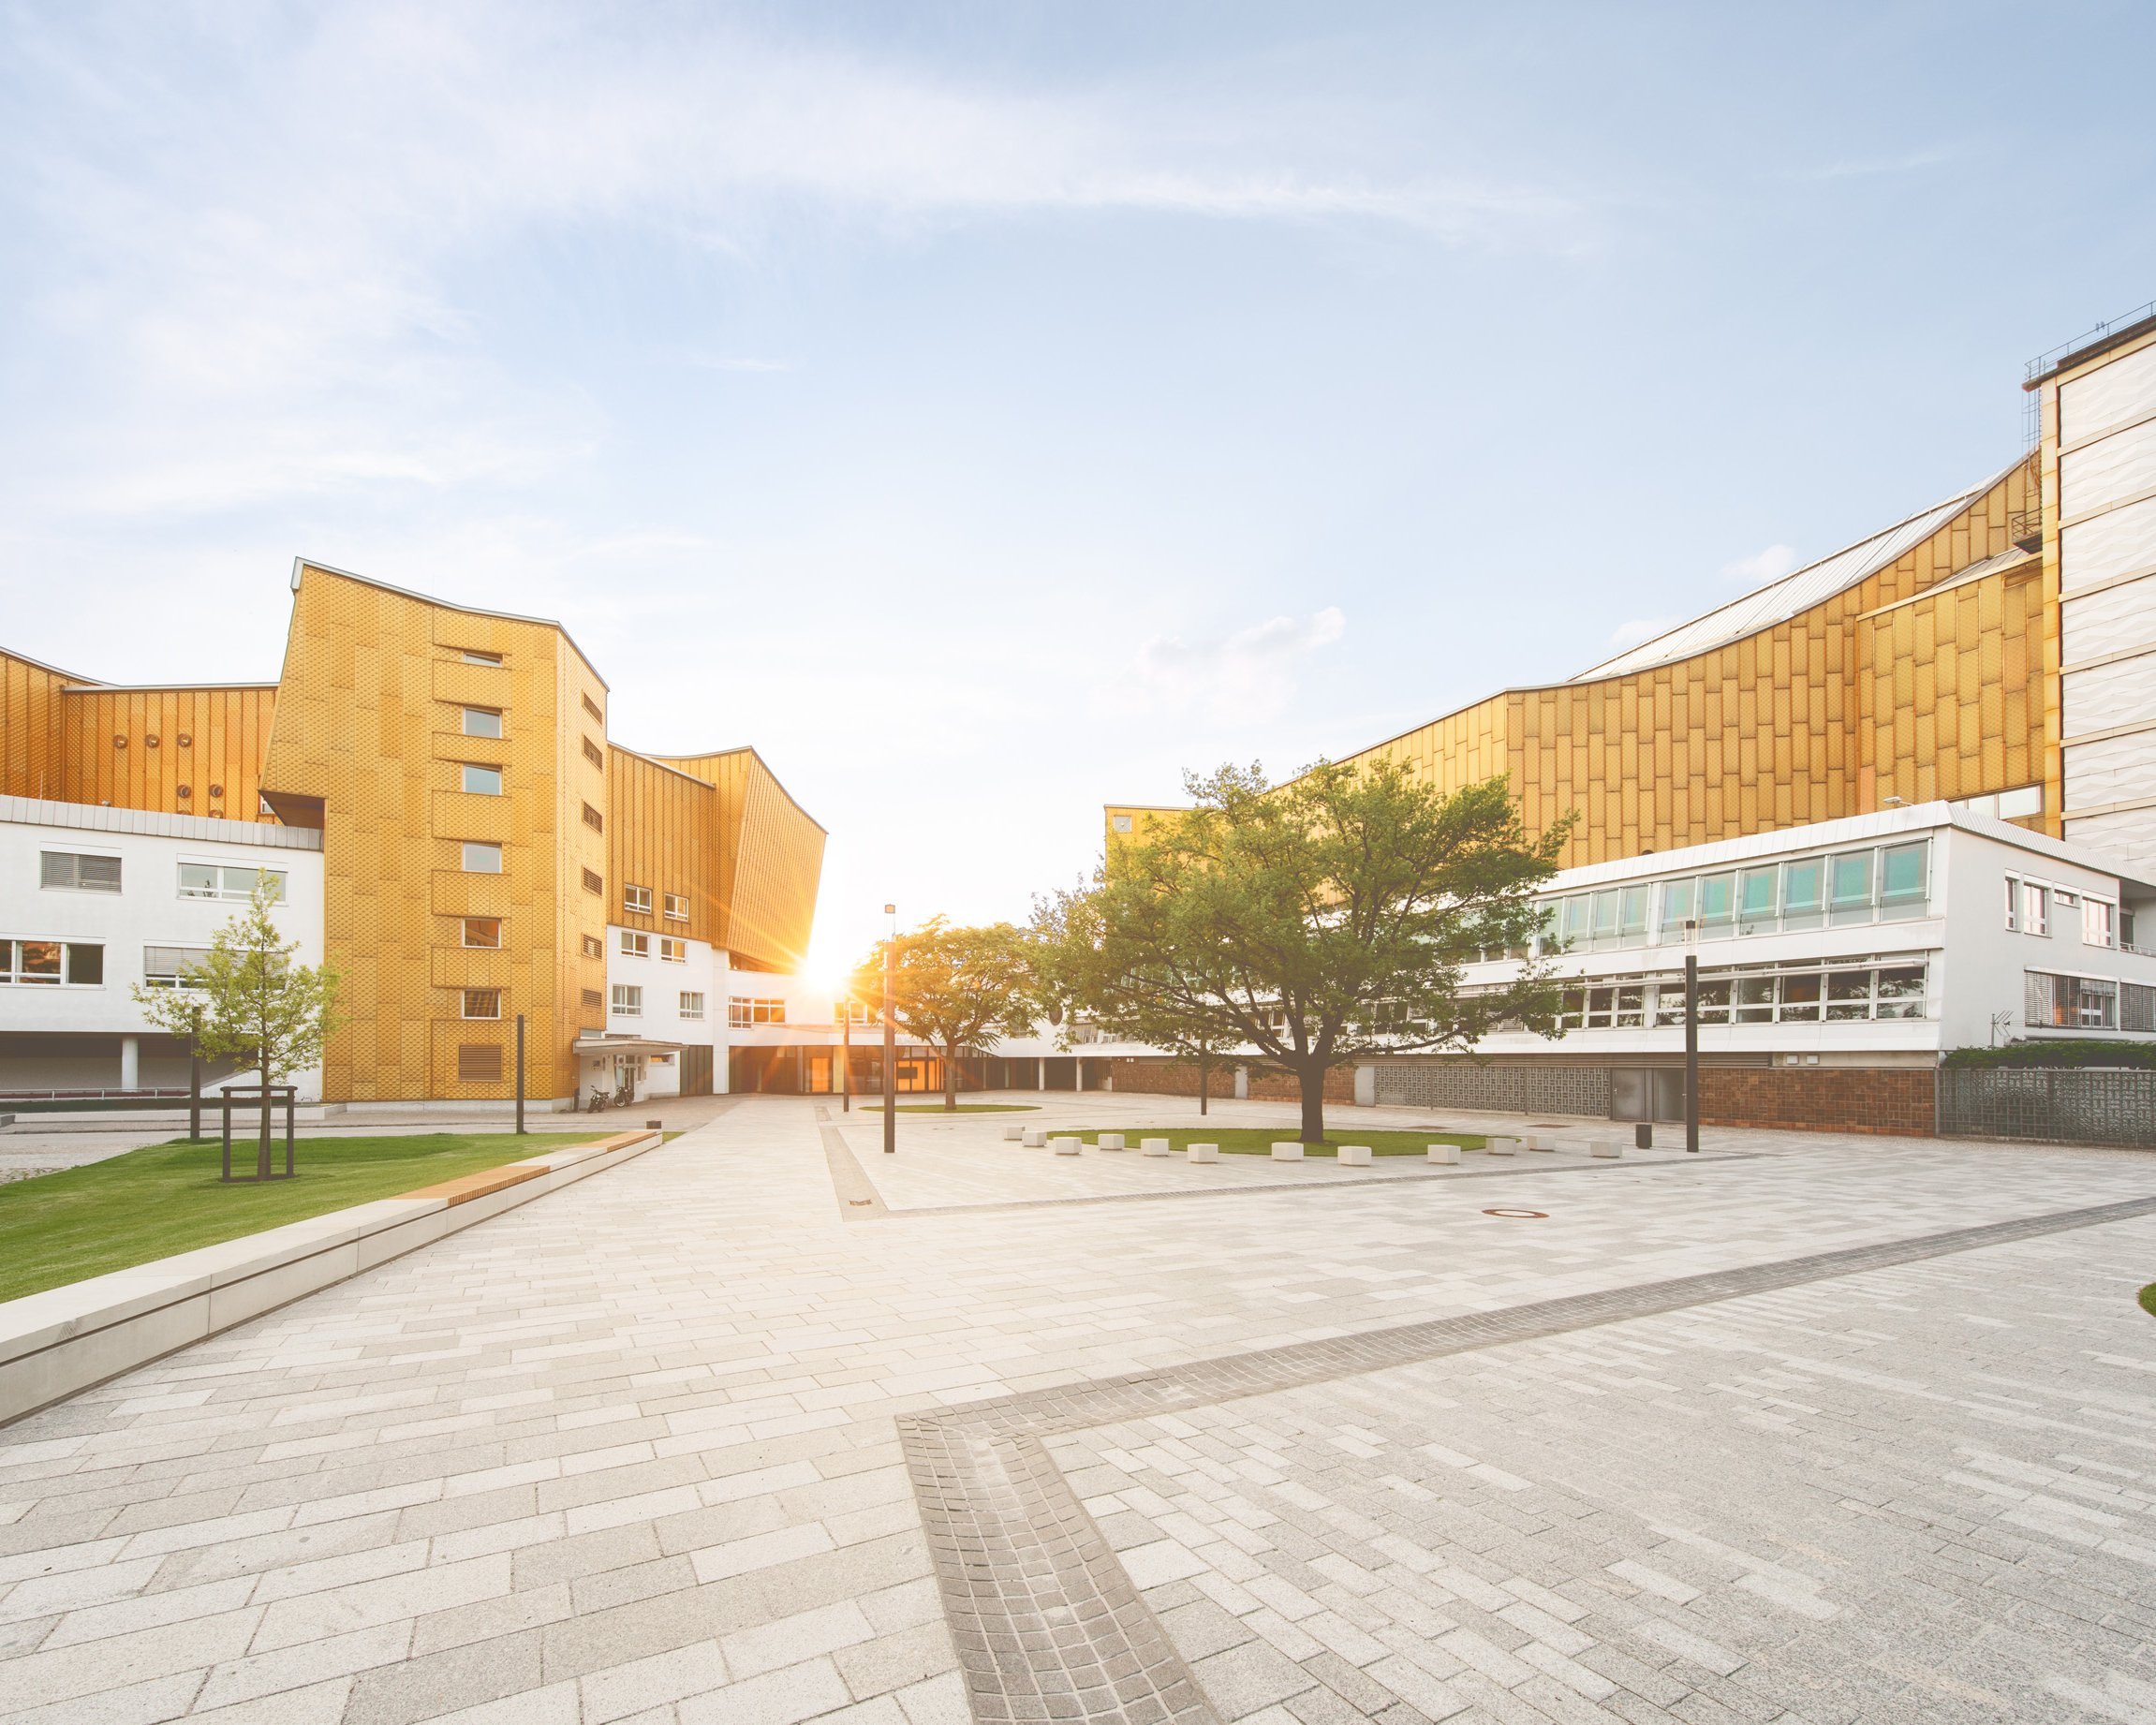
[(2149, 1299), (1259, 1140), (963, 1107), (164, 1198)]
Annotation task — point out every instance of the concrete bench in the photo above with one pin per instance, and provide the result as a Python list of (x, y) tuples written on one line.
[(1064, 1146), (1012, 1134), (1501, 1146), (1035, 1137), (1287, 1150), (1354, 1156), (1449, 1154), (1111, 1141), (1607, 1147), (1154, 1146), (1542, 1140), (1197, 1153)]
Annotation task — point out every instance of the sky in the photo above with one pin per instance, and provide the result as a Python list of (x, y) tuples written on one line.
[(994, 410)]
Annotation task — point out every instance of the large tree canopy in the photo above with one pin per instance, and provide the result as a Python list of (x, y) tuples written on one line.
[(957, 989), (1314, 921)]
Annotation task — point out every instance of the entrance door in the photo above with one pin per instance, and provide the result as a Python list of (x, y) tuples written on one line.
[(696, 1071)]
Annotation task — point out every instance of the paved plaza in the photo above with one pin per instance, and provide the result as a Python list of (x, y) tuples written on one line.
[(765, 1427)]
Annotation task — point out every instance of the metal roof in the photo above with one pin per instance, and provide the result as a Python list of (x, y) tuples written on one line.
[(1779, 601)]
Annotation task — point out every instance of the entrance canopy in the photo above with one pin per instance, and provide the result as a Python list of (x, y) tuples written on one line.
[(598, 1047)]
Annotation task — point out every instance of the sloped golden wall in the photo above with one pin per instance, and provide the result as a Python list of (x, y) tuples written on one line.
[(32, 749), (770, 859), (182, 750), (665, 836)]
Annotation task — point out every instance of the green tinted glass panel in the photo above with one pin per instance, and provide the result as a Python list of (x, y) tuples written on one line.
[(1717, 896), (1755, 894), (1678, 897), (1852, 878), (1632, 911), (1901, 875), (1800, 886)]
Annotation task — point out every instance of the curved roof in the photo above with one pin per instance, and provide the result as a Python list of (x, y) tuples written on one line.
[(1781, 600)]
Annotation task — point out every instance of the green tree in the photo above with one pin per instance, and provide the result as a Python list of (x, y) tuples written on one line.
[(954, 988), (1312, 923), (248, 1002)]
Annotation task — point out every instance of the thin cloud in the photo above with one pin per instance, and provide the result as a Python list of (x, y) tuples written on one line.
[(1770, 564), (1245, 676), (1640, 630), (1864, 167)]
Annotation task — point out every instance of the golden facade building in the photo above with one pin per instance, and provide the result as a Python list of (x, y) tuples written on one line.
[(484, 840)]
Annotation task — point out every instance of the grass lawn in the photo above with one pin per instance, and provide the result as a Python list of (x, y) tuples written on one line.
[(2149, 1299), (963, 1107), (166, 1198), (1257, 1140)]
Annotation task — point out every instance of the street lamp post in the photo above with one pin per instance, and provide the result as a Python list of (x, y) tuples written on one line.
[(845, 1052), (1690, 1036), (889, 1040)]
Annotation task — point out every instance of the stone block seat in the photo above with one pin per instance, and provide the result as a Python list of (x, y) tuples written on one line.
[(1067, 1145), (1197, 1153), (1110, 1141), (1443, 1153), (1154, 1146), (1287, 1150), (1354, 1156), (1035, 1137)]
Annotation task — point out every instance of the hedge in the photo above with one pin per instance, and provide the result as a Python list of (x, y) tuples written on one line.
[(2084, 1051)]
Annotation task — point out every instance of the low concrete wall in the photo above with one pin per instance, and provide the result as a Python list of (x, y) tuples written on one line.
[(2069, 1105), (56, 1343)]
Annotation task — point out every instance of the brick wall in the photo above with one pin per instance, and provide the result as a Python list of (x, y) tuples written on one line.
[(1519, 1089), (1895, 1100), (1180, 1078)]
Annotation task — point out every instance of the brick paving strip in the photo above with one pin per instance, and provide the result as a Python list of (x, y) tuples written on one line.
[(1047, 1624)]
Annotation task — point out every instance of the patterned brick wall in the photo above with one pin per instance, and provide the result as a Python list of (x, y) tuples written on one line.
[(1180, 1078), (1894, 1100), (1519, 1089), (2077, 1105)]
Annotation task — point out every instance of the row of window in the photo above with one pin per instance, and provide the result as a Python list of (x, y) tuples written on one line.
[(636, 902), (75, 871), (1764, 997), (628, 1001), (1884, 884), (672, 948), (2088, 1003), (741, 1010), (51, 962), (2029, 905)]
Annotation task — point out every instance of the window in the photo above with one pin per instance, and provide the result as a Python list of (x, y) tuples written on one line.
[(592, 997), (483, 781), (691, 1004), (2013, 903), (636, 901), (479, 1062), (221, 881), (592, 883), (1603, 924), (634, 945), (473, 656), (1800, 999), (482, 722), (1717, 902), (1631, 1006), (76, 873), (594, 820), (628, 1000), (855, 1012), (594, 947), (52, 963), (483, 859), (677, 906), (1902, 993), (673, 951), (1574, 926), (591, 707), (741, 1010), (1120, 823), (593, 753), (482, 931), (2096, 923), (168, 967), (1904, 879), (1849, 887), (1679, 899), (2035, 908), (483, 1002), (1755, 897), (2136, 1006), (1803, 886), (1754, 999)]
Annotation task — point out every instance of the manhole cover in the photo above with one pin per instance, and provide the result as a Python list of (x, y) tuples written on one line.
[(1525, 1216)]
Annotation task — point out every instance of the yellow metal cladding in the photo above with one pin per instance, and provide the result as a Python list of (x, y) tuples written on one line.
[(665, 838), (371, 730), (182, 750), (1909, 683), (770, 857), (32, 745)]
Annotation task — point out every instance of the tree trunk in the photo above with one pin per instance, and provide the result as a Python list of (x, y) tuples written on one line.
[(1202, 1097), (262, 1146), (1310, 1084), (951, 1079)]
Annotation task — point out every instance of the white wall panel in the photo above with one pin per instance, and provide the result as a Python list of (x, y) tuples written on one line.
[(2113, 544), (2109, 621), (2129, 839), (2108, 696), (2107, 471), (2118, 770), (2113, 394)]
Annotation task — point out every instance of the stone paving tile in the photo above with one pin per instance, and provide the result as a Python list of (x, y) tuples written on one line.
[(524, 1402)]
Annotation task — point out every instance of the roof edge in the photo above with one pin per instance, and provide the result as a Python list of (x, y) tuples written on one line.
[(750, 749)]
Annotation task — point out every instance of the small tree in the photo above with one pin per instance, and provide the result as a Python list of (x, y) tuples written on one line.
[(953, 988), (1312, 923), (248, 1001)]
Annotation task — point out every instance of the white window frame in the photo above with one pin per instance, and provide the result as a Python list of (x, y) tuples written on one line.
[(672, 949), (226, 892), (464, 933), (687, 1009), (482, 849), (118, 861), (465, 778), (635, 943), (676, 906), (174, 978), (2099, 917), (625, 1000), (635, 900), (10, 957), (465, 1003), (484, 716)]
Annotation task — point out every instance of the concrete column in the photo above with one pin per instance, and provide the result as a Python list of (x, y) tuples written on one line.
[(1242, 1082), (1040, 1072), (1366, 1086), (130, 1062)]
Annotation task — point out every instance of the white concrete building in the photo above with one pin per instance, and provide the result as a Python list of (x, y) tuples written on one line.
[(95, 900)]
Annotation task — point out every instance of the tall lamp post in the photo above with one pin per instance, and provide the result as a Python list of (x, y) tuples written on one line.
[(889, 1040), (1692, 1035), (846, 1051)]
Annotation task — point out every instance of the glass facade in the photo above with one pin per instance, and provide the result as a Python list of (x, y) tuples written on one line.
[(1765, 995)]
